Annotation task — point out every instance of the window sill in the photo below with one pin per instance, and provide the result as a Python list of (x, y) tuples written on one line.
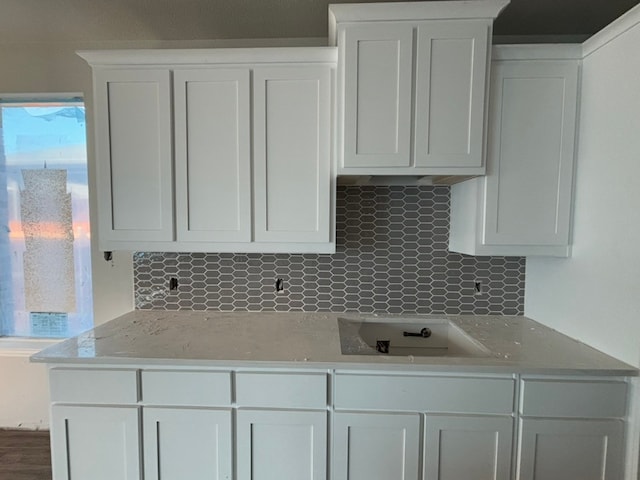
[(24, 347)]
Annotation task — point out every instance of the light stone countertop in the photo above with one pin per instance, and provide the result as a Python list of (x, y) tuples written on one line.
[(311, 340)]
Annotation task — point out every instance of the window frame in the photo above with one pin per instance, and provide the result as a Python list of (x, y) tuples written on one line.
[(16, 346)]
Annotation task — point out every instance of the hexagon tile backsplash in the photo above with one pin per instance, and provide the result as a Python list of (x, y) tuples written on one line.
[(391, 257)]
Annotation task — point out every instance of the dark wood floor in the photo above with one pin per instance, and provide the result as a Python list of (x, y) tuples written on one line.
[(24, 455)]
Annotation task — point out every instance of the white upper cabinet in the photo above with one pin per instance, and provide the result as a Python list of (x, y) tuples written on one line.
[(412, 86), (377, 96), (523, 205), (292, 177), (134, 142), (251, 170), (451, 70), (213, 159)]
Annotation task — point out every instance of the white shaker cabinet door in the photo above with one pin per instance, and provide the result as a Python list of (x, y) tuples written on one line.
[(134, 154), (467, 447), (213, 148), (374, 446), (95, 443), (281, 445), (377, 95), (451, 72), (555, 449), (292, 154), (187, 444), (531, 153)]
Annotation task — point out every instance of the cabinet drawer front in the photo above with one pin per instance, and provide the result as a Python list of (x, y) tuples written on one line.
[(94, 386), (186, 388), (281, 390), (428, 394), (588, 399)]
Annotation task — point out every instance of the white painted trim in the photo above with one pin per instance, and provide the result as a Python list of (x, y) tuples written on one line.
[(632, 471), (540, 39), (248, 247), (207, 56), (53, 97), (612, 31), (415, 11), (412, 171), (24, 347), (537, 52)]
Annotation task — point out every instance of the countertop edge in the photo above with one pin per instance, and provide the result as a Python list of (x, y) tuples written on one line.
[(501, 369)]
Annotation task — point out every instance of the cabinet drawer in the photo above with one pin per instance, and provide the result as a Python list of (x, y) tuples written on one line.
[(94, 386), (424, 394), (281, 390), (186, 388), (563, 398)]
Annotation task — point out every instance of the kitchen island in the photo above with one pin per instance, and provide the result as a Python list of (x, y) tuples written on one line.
[(190, 395)]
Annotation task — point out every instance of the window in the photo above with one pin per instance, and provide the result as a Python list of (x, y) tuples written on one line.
[(45, 257)]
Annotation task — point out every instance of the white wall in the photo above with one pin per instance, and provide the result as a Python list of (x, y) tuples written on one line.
[(43, 68), (594, 296)]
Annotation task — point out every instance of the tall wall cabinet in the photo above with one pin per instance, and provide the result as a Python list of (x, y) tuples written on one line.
[(523, 204), (215, 150)]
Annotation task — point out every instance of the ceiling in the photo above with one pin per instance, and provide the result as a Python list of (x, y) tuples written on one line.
[(104, 20)]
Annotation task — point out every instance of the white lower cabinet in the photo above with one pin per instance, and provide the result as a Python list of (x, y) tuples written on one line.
[(187, 443), (281, 445), (237, 424), (461, 447), (95, 443), (376, 446), (555, 449), (571, 429)]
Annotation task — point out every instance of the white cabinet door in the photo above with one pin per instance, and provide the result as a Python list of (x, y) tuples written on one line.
[(374, 446), (95, 443), (523, 205), (451, 71), (554, 449), (292, 154), (460, 447), (213, 148), (134, 154), (187, 443), (281, 445), (531, 153), (377, 95)]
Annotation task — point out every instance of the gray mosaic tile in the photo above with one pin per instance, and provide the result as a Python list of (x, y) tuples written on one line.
[(391, 258)]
